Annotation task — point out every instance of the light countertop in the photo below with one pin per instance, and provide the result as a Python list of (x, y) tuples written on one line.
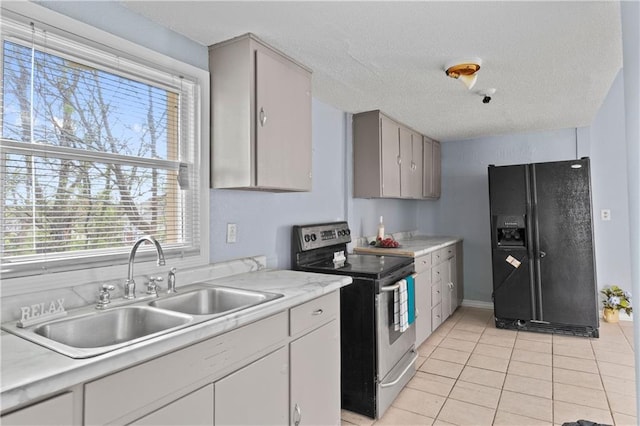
[(415, 246), (30, 371)]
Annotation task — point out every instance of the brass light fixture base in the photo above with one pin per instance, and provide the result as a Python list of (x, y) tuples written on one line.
[(455, 71), (464, 70)]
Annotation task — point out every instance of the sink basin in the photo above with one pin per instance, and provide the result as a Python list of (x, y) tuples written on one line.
[(91, 332), (111, 327), (98, 332), (214, 300)]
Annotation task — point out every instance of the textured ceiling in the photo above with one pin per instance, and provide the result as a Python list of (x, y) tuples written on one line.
[(551, 63)]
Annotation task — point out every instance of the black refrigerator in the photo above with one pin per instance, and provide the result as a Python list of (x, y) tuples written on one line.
[(542, 248)]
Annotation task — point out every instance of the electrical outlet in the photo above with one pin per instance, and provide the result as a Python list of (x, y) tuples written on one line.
[(232, 231), (605, 214)]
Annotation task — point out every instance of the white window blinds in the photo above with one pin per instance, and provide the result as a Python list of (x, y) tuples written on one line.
[(94, 153)]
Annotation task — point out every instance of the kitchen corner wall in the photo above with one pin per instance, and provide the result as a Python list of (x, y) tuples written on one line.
[(463, 209), (264, 219)]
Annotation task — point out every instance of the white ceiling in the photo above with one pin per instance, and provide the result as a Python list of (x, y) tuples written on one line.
[(552, 63)]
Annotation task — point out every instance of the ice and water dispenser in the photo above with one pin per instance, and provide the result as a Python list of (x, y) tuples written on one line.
[(509, 231)]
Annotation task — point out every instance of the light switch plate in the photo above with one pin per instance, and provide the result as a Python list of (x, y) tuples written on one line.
[(231, 232), (605, 214)]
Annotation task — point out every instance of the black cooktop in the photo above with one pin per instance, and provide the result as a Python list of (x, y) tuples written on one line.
[(361, 265)]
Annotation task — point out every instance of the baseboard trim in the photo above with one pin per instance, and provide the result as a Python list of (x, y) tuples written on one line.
[(489, 305), (477, 304)]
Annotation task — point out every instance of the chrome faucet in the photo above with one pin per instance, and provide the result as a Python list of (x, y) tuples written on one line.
[(130, 284)]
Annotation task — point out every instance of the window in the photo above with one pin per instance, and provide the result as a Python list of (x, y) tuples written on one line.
[(96, 150)]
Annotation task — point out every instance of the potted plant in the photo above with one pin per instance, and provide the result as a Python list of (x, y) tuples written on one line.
[(615, 299)]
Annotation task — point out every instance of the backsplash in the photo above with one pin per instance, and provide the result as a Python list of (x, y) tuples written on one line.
[(86, 294)]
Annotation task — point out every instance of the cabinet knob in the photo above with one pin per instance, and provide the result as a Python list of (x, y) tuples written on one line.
[(318, 312), (399, 160), (297, 415), (263, 117)]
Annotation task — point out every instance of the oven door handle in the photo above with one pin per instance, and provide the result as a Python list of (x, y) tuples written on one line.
[(401, 375), (390, 287)]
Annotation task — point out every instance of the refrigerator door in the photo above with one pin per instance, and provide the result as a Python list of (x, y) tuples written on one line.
[(563, 238), (513, 297), (512, 264)]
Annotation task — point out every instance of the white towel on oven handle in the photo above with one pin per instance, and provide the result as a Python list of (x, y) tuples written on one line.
[(404, 306), (396, 308), (400, 307)]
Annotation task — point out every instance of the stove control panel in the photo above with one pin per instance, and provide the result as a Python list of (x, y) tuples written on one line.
[(321, 235)]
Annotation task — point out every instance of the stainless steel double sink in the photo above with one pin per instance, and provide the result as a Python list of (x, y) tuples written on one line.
[(90, 332)]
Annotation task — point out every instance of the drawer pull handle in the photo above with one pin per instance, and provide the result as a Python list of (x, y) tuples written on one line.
[(318, 312)]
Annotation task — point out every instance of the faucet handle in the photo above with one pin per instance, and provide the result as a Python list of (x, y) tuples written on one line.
[(152, 285), (171, 281), (104, 296)]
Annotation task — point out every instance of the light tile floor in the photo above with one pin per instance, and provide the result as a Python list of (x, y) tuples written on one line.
[(470, 373)]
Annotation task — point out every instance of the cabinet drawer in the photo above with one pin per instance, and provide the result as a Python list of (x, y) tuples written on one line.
[(145, 384), (193, 409), (55, 411), (443, 254), (436, 274), (449, 251), (423, 263), (436, 294), (438, 257), (436, 316), (314, 313)]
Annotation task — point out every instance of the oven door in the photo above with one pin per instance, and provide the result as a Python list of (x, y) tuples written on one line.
[(392, 345), (396, 353)]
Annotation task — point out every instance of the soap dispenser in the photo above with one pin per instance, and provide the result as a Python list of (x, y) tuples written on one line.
[(380, 230)]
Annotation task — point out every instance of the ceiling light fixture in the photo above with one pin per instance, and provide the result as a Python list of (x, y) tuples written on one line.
[(464, 71)]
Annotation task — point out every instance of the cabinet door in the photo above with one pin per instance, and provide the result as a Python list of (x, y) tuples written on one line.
[(406, 183), (459, 282), (452, 264), (54, 411), (416, 165), (193, 409), (446, 289), (449, 297), (427, 172), (410, 164), (423, 306), (283, 125), (437, 171), (315, 377), (390, 148), (255, 395)]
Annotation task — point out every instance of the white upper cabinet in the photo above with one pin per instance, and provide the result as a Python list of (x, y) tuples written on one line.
[(431, 174), (260, 118), (388, 159), (410, 164)]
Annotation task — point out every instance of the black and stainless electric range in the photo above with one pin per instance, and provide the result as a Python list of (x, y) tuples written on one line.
[(376, 360)]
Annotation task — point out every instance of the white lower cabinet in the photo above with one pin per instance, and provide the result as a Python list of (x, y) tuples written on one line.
[(278, 370), (257, 394), (54, 411), (195, 409), (422, 282), (438, 287), (315, 377)]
